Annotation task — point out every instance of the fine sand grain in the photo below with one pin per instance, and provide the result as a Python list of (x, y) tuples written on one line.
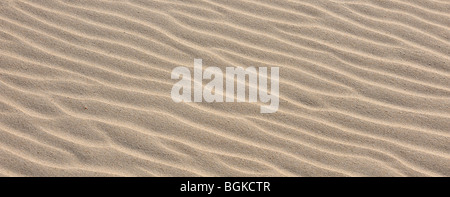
[(85, 88)]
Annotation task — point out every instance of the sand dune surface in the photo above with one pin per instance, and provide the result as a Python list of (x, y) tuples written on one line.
[(85, 88)]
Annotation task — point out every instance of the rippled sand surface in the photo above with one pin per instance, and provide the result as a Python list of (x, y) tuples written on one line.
[(85, 88)]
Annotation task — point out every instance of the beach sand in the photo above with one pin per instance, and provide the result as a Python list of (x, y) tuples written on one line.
[(85, 88)]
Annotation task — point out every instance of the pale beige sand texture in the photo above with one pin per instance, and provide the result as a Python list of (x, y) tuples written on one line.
[(85, 88)]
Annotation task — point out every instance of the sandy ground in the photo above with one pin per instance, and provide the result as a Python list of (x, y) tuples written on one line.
[(85, 88)]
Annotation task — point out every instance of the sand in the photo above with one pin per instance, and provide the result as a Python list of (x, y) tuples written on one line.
[(85, 88)]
